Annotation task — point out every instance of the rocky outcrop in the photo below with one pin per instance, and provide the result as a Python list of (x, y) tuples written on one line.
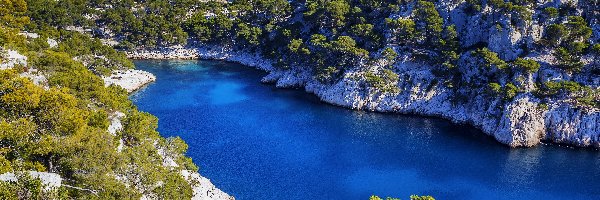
[(202, 187), (130, 80), (11, 58), (49, 180)]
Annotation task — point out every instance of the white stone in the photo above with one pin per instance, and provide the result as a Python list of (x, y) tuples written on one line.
[(129, 80), (10, 58), (49, 180)]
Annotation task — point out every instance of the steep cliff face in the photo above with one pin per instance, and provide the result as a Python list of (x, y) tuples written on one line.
[(525, 117), (523, 121)]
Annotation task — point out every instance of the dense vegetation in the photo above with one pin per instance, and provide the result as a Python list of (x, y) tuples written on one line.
[(330, 37), (61, 126)]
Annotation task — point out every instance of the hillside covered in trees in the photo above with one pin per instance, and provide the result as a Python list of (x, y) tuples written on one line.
[(522, 71), (64, 135)]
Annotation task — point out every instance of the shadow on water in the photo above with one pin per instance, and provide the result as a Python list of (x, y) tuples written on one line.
[(256, 141)]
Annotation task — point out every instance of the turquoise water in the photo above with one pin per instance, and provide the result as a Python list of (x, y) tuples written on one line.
[(255, 141)]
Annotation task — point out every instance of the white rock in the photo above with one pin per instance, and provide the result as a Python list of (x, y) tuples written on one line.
[(202, 187), (115, 123), (129, 80), (51, 42), (49, 180), (12, 58)]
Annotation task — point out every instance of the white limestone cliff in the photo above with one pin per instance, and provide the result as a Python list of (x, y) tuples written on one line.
[(520, 122)]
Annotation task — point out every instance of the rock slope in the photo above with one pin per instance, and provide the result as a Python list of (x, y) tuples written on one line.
[(524, 121)]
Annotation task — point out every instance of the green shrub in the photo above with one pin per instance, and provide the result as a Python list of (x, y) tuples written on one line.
[(551, 12), (429, 23), (494, 89), (527, 65), (555, 33), (510, 91), (568, 60), (404, 30), (490, 58), (384, 82), (554, 88), (326, 75), (473, 6), (596, 49), (417, 197), (389, 54), (584, 95)]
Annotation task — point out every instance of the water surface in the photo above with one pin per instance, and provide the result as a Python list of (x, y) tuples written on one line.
[(255, 141)]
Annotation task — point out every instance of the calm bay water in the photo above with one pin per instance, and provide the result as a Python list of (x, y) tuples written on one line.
[(255, 141)]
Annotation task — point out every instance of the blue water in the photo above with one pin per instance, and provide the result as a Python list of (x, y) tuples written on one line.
[(255, 141)]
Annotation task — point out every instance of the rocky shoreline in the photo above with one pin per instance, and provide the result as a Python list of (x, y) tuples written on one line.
[(133, 80), (130, 80), (522, 122)]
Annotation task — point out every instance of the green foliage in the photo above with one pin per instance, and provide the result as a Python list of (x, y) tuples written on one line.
[(473, 6), (596, 49), (57, 14), (63, 128), (450, 39), (568, 60), (578, 29), (87, 49), (389, 54), (347, 45), (494, 89), (373, 197), (551, 12), (366, 34), (428, 22), (297, 46), (417, 197), (327, 74), (174, 187), (337, 10), (584, 95), (404, 30), (554, 88), (570, 39), (386, 81), (555, 33), (249, 34), (508, 92), (12, 14), (27, 187), (527, 65), (330, 14), (490, 58), (205, 29), (515, 7), (12, 19)]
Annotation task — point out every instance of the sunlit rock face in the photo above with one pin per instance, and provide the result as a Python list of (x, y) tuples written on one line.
[(523, 120), (519, 122)]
